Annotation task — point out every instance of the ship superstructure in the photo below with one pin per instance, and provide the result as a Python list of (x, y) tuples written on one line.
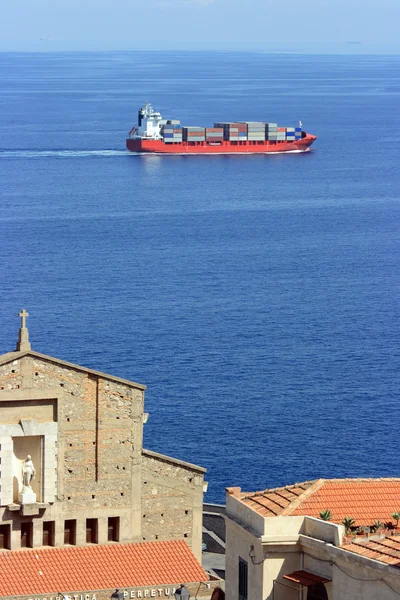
[(149, 124), (167, 136)]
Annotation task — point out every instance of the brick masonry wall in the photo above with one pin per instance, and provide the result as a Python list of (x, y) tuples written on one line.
[(172, 496), (99, 444), (11, 375), (101, 471), (100, 433)]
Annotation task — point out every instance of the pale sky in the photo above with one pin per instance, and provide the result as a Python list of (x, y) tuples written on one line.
[(303, 25)]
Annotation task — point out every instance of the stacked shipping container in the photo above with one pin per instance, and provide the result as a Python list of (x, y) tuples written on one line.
[(214, 134), (252, 131), (233, 132), (282, 134), (271, 132), (255, 131), (172, 132), (290, 134), (194, 134)]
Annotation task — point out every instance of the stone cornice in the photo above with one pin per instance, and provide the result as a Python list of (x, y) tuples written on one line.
[(174, 461)]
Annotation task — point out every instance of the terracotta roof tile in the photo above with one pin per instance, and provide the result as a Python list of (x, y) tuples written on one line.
[(51, 570), (386, 550), (366, 500)]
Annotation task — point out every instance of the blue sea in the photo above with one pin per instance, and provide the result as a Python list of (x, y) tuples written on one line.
[(256, 296)]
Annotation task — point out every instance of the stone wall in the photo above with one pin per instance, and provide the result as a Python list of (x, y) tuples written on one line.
[(99, 467), (11, 375), (172, 497), (98, 446)]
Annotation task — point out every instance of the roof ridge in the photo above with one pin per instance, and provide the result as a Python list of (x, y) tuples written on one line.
[(178, 461), (279, 488), (308, 492)]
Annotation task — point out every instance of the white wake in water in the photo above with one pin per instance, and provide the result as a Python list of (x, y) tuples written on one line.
[(62, 153)]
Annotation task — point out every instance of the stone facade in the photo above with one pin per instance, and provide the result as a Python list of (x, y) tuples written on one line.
[(84, 430), (171, 500)]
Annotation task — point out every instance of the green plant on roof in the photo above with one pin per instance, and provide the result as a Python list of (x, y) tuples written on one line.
[(325, 515), (377, 525), (348, 523), (396, 517)]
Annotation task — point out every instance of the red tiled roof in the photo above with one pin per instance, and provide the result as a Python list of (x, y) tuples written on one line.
[(386, 550), (271, 503), (366, 500), (87, 568)]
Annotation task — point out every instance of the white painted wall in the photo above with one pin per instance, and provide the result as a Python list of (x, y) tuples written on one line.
[(238, 542), (353, 581)]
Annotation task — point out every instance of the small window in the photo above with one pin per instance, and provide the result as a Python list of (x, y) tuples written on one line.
[(113, 529), (243, 579), (26, 535), (91, 531), (70, 532), (5, 537), (48, 533)]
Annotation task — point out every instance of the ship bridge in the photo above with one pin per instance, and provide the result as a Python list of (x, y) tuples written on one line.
[(149, 123)]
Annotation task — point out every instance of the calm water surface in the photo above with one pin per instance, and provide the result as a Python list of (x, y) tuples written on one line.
[(256, 297)]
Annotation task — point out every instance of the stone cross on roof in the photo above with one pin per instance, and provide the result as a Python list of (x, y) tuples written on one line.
[(23, 336), (23, 314)]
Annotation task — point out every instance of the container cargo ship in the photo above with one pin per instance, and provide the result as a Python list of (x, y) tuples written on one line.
[(154, 134)]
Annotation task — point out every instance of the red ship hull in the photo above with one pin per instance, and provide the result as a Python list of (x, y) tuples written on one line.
[(224, 147)]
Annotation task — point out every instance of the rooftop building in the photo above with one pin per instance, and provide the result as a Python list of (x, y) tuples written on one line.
[(278, 547)]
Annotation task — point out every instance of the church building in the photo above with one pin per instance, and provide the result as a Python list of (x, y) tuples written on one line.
[(73, 470)]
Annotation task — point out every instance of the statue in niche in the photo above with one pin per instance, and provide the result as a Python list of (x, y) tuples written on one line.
[(28, 472)]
